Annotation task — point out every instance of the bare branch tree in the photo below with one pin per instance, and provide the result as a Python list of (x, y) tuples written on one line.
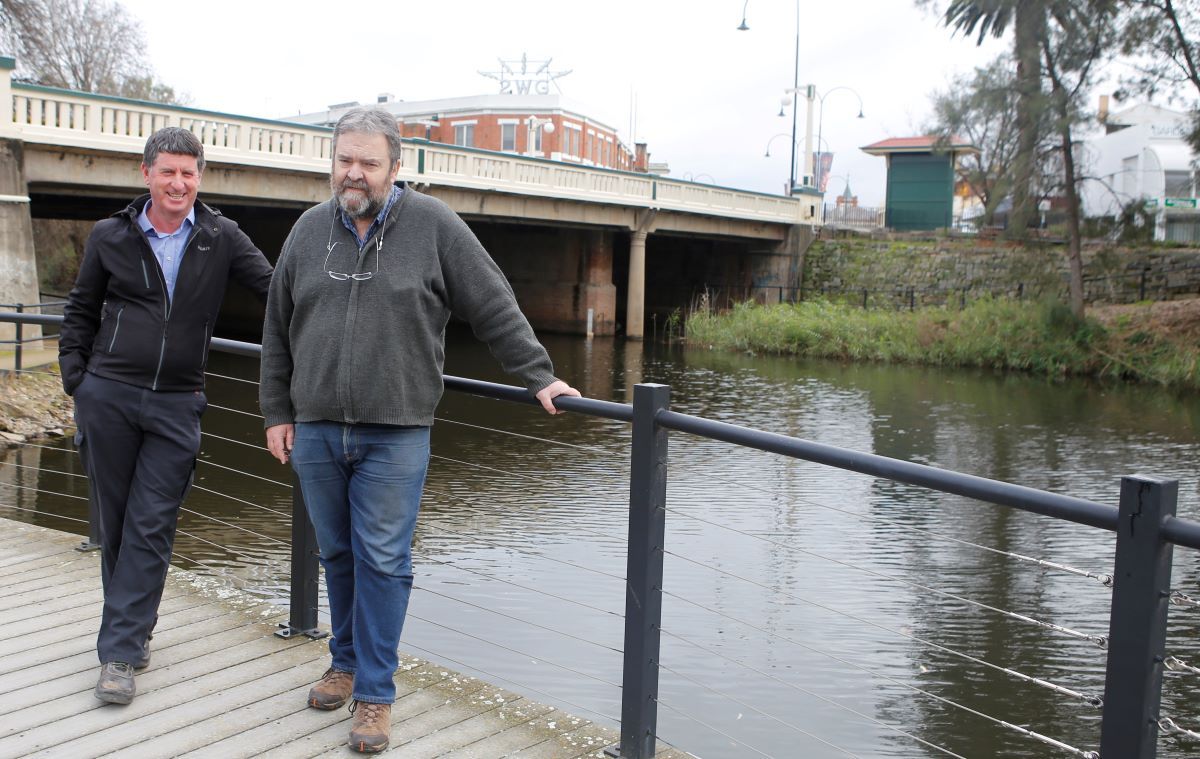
[(88, 45)]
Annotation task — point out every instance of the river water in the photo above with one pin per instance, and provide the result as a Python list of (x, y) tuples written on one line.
[(808, 612)]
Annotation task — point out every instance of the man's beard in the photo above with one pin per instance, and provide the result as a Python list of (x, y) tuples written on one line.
[(365, 206)]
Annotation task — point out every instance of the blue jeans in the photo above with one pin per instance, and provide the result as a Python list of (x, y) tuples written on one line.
[(362, 487)]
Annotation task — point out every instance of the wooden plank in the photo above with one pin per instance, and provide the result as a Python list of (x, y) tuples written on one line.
[(580, 738), (166, 650), (79, 714), (20, 599), (92, 596), (477, 717), (221, 684), (30, 553), (411, 707), (58, 559), (512, 733), (298, 721), (230, 688), (53, 699), (17, 645), (46, 567), (86, 640)]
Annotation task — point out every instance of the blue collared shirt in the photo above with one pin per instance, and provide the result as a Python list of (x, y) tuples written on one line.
[(168, 248), (376, 224)]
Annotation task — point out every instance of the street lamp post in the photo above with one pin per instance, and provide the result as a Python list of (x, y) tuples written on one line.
[(532, 126), (817, 176), (795, 89)]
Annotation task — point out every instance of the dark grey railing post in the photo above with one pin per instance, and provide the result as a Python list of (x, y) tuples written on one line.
[(20, 335), (644, 573), (1137, 628), (302, 619)]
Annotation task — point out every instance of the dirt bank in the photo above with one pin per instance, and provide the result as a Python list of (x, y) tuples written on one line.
[(33, 405)]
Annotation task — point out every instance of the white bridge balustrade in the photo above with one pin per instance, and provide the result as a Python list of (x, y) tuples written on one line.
[(57, 117)]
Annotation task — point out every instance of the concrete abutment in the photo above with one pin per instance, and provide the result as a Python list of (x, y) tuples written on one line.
[(18, 263)]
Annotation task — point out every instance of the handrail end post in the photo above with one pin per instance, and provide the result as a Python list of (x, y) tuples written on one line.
[(1138, 619), (643, 587)]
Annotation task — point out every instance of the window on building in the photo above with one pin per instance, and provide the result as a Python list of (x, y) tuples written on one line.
[(508, 137), (464, 135), (1179, 184), (537, 139), (604, 156), (1129, 183), (570, 140)]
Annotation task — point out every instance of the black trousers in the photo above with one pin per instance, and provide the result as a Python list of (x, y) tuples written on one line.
[(139, 451)]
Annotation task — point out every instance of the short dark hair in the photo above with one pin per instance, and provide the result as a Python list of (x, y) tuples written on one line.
[(371, 121), (173, 140)]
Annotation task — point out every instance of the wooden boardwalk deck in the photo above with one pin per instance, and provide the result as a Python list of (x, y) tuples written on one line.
[(221, 684)]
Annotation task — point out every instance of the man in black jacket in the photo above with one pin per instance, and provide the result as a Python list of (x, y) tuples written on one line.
[(133, 348)]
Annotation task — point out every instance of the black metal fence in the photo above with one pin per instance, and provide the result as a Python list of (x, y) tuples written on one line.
[(20, 340), (1146, 527)]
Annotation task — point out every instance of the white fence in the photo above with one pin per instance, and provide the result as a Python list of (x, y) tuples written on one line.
[(50, 116)]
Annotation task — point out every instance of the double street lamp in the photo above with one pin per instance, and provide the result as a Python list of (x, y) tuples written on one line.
[(792, 97), (534, 128)]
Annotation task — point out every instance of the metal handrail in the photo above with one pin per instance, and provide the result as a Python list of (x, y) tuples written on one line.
[(1145, 524)]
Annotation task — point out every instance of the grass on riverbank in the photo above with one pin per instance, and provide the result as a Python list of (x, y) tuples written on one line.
[(1043, 338)]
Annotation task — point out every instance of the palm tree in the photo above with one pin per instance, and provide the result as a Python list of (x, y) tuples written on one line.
[(1028, 17)]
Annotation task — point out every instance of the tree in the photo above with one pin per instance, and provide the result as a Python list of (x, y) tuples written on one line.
[(1077, 37), (1163, 39), (88, 45), (981, 108), (1028, 18)]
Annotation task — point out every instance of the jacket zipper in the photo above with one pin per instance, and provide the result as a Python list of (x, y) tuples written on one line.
[(117, 328), (204, 345), (145, 275), (162, 348)]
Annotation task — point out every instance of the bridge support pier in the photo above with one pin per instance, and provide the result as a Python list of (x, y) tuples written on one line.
[(777, 276), (558, 275), (18, 265), (635, 301)]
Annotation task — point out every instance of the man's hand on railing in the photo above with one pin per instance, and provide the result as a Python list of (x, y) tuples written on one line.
[(548, 393), (279, 441)]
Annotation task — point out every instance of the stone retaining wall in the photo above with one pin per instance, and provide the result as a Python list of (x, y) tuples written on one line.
[(933, 272)]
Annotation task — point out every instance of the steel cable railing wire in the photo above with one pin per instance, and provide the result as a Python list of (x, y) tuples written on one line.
[(244, 473), (526, 552), (536, 591), (1104, 579), (1100, 640), (495, 677), (513, 618), (813, 694), (525, 655), (708, 726), (756, 710), (284, 514), (1090, 699), (873, 673)]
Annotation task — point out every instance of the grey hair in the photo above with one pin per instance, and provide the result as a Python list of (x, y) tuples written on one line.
[(371, 121), (173, 140)]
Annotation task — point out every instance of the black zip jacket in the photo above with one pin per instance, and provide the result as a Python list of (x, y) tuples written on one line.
[(119, 323)]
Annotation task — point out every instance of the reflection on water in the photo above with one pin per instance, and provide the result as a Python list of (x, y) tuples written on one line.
[(808, 612)]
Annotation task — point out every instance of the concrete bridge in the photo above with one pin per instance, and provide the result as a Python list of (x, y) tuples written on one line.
[(574, 241)]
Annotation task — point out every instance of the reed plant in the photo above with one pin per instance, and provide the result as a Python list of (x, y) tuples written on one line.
[(1043, 338)]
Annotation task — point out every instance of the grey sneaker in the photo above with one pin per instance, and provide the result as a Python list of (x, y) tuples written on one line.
[(372, 728), (116, 683), (144, 661), (332, 691)]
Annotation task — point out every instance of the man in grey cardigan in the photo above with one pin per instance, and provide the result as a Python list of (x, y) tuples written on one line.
[(351, 373)]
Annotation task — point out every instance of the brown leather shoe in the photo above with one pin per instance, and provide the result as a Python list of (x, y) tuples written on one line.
[(332, 690), (372, 728)]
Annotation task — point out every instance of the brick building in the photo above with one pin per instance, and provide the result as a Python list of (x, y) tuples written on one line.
[(502, 122)]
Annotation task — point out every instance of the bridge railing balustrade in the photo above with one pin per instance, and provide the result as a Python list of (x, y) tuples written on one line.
[(1134, 644)]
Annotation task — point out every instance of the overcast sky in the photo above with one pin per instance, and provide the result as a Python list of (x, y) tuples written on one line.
[(707, 95)]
